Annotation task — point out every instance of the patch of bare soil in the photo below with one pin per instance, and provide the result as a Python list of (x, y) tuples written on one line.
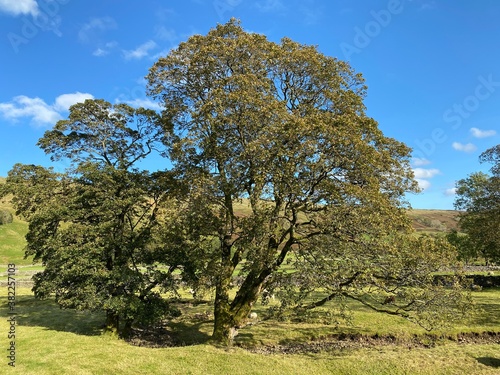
[(162, 337), (337, 343), (157, 337)]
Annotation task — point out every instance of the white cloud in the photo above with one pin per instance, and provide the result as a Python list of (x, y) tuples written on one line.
[(450, 192), (423, 184), (469, 147), (63, 102), (140, 52), (425, 173), (38, 110), (105, 50), (418, 162), (18, 7), (22, 106), (90, 30), (422, 175), (145, 103), (478, 133)]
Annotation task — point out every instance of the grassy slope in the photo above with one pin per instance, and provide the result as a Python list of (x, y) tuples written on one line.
[(434, 220), (54, 341), (12, 240)]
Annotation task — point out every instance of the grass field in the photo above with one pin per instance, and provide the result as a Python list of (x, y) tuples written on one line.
[(54, 341)]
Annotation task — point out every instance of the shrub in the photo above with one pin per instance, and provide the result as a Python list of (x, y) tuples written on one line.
[(5, 217)]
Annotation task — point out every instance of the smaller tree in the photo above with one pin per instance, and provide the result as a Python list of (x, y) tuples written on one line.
[(91, 226), (479, 197), (467, 251)]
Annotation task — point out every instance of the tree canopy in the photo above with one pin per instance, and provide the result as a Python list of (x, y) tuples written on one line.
[(282, 128), (91, 226), (479, 197), (280, 183)]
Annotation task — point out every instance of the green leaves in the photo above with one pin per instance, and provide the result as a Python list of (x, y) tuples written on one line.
[(479, 196), (97, 131), (281, 127), (91, 226)]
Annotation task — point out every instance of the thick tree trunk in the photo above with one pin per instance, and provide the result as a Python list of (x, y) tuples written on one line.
[(227, 323), (223, 326), (229, 317), (112, 323), (127, 329)]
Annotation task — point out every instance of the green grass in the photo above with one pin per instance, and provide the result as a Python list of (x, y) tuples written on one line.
[(12, 243), (54, 341)]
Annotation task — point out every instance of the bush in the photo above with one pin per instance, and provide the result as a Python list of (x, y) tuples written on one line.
[(5, 217), (483, 281)]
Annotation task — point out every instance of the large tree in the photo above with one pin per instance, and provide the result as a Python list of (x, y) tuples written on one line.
[(287, 172), (478, 196), (91, 225)]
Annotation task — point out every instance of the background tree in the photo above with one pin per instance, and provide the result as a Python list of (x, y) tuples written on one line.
[(91, 226), (479, 197), (281, 129), (466, 249)]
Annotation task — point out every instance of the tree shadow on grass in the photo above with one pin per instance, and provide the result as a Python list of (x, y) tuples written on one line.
[(489, 361), (32, 312), (191, 334), (488, 314), (169, 335)]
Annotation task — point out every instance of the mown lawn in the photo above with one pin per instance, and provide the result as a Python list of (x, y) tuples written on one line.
[(54, 341)]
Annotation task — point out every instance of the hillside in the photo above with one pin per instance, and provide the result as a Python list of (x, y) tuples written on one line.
[(424, 220), (427, 220), (434, 220)]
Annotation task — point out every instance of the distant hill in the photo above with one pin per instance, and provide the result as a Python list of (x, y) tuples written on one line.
[(427, 220), (434, 220), (424, 220)]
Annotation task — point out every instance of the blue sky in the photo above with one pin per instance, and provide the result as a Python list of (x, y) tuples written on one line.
[(432, 67)]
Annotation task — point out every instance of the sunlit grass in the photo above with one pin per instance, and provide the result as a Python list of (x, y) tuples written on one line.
[(54, 341), (12, 243)]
